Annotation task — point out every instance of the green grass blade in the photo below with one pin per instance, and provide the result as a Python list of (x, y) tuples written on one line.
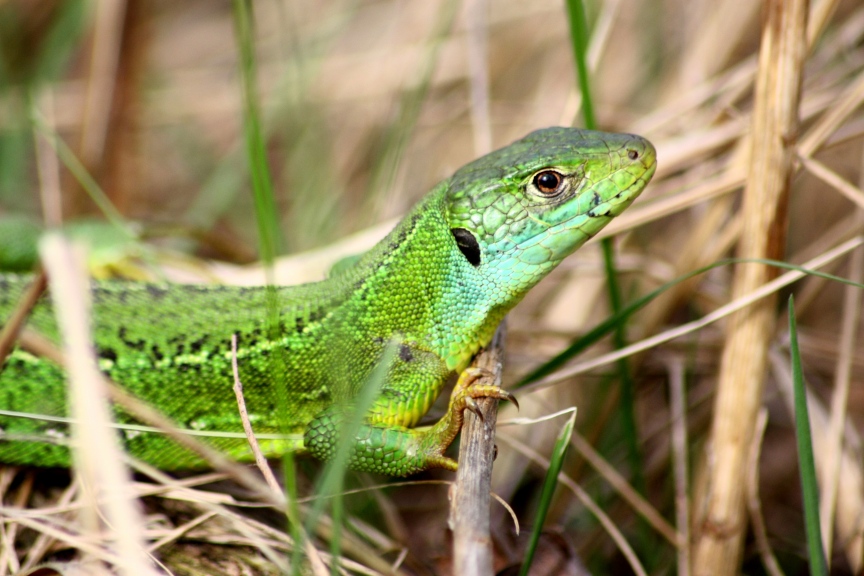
[(256, 149), (809, 486), (627, 406), (579, 38), (396, 137), (549, 485), (79, 171), (269, 238), (332, 480)]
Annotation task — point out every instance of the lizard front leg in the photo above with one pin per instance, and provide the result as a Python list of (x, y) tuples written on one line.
[(384, 443)]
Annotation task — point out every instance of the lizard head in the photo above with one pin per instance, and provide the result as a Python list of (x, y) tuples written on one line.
[(517, 212)]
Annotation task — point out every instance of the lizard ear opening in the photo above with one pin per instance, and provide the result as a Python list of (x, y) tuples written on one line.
[(468, 245)]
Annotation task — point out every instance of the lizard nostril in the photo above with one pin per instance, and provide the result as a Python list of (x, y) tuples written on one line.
[(632, 154)]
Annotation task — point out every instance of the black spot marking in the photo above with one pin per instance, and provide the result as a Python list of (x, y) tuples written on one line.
[(395, 244), (467, 244), (317, 315), (157, 354), (197, 345), (156, 291), (139, 345), (108, 354), (405, 353)]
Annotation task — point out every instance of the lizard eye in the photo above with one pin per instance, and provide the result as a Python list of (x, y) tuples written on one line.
[(548, 182)]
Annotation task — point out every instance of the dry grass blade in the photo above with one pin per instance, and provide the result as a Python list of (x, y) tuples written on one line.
[(8, 532), (627, 492), (831, 178), (679, 458), (829, 477), (260, 461), (102, 79), (13, 325), (754, 505), (479, 70), (589, 503), (44, 542), (97, 454), (469, 507), (720, 522), (47, 163)]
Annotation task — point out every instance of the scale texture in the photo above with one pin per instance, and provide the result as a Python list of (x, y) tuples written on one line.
[(422, 302)]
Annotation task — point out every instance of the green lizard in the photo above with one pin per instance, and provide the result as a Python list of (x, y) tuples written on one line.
[(434, 291)]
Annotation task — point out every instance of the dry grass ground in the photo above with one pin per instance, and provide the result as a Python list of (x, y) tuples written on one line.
[(366, 106)]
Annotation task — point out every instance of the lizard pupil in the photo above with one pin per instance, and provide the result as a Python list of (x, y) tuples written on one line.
[(548, 181)]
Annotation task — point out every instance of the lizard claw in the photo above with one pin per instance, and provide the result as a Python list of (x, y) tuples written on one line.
[(471, 404), (510, 398)]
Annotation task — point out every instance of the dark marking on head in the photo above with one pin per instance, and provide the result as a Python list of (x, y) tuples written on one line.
[(596, 199), (405, 353), (467, 244), (593, 213)]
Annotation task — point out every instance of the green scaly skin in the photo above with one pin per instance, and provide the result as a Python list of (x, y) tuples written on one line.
[(434, 295)]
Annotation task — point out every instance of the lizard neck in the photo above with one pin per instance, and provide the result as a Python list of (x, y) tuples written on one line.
[(436, 299)]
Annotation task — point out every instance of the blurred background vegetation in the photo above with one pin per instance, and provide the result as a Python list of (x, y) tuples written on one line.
[(366, 105)]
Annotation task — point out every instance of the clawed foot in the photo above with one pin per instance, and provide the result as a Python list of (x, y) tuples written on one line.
[(466, 392), (465, 395)]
